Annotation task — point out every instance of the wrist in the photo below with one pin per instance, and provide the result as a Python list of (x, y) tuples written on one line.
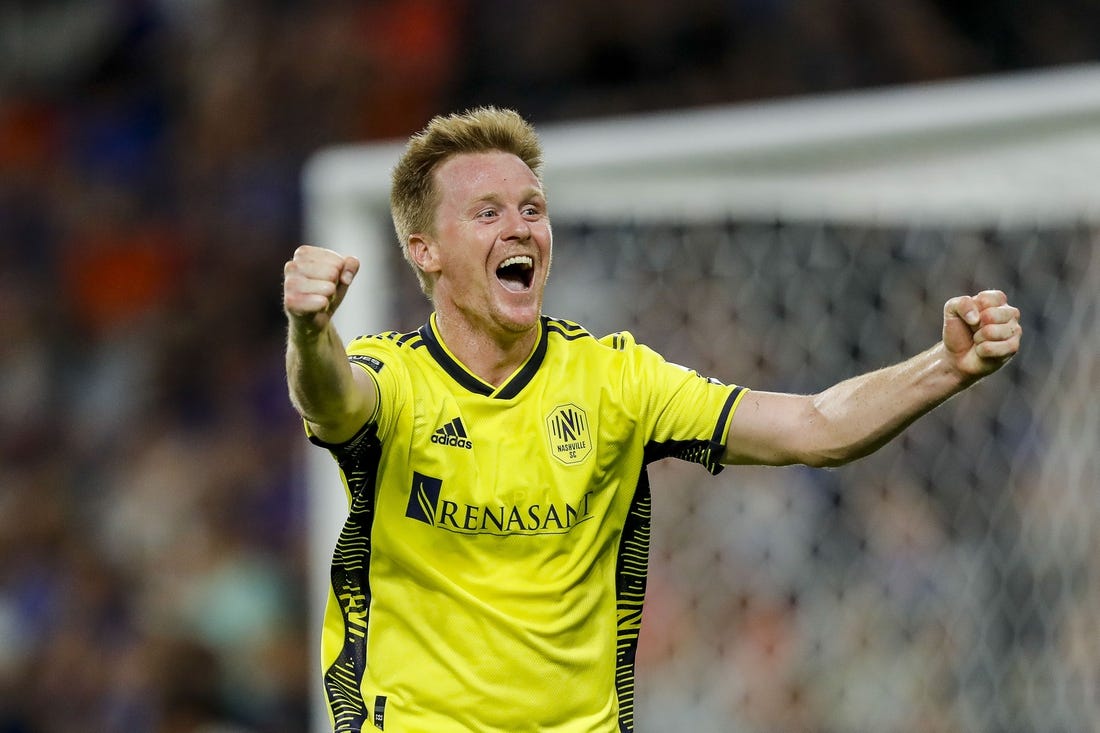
[(304, 329), (950, 366)]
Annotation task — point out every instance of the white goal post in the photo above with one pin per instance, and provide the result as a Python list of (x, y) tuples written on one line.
[(1019, 150)]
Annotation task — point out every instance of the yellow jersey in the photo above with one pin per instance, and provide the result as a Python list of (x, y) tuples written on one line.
[(491, 571)]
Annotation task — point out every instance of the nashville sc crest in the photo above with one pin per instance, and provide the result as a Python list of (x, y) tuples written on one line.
[(568, 433)]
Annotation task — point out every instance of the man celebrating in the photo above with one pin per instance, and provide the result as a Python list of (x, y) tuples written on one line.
[(491, 572)]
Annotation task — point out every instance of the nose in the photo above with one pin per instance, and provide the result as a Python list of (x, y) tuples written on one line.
[(516, 226)]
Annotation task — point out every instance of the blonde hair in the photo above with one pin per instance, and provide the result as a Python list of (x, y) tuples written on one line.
[(413, 196)]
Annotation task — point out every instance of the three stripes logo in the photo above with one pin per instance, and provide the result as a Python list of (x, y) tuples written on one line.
[(453, 434)]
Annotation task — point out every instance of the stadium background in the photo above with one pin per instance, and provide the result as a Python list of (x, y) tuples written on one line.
[(152, 562)]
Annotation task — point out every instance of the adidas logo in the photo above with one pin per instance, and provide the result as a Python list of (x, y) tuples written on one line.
[(453, 433)]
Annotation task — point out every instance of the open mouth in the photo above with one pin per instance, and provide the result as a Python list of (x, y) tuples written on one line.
[(516, 273)]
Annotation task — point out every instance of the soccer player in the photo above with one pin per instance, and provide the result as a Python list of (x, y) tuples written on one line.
[(491, 571)]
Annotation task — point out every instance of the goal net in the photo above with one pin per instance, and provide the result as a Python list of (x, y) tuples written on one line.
[(950, 581)]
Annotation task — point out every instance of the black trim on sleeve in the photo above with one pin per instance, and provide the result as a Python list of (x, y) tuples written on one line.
[(719, 437), (336, 446), (707, 453)]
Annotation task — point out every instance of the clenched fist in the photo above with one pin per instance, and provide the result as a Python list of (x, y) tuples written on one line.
[(981, 332), (315, 281)]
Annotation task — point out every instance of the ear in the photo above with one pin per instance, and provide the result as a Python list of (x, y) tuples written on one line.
[(424, 251)]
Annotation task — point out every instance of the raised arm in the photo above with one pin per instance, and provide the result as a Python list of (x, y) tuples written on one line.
[(333, 397), (857, 416)]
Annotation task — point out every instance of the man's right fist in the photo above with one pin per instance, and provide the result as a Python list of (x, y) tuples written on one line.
[(315, 281)]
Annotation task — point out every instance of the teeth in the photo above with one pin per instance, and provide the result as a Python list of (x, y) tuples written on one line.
[(524, 260)]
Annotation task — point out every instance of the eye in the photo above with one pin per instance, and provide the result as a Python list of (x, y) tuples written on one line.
[(486, 213), (532, 210)]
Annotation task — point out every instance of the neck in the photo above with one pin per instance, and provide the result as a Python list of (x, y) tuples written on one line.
[(492, 355)]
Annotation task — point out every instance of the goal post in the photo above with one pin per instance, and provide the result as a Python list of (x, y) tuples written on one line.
[(786, 245)]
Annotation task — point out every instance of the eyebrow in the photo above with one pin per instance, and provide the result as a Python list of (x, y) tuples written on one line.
[(492, 197)]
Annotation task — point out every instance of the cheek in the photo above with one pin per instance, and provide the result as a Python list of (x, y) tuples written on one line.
[(544, 235)]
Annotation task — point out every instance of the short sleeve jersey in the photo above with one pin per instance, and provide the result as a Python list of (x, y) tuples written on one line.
[(491, 571)]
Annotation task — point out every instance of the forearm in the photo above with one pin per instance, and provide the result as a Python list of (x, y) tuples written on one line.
[(858, 416), (322, 383)]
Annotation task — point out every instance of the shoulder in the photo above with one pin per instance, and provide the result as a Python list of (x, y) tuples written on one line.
[(392, 343), (565, 330), (580, 348), (618, 356), (387, 340), (388, 356), (620, 341), (570, 331)]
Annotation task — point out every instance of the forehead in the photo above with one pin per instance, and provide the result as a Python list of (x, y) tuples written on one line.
[(473, 175)]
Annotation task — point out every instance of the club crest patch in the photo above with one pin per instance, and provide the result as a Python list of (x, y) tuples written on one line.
[(567, 431)]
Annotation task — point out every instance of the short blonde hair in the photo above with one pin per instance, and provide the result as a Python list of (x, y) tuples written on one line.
[(413, 196)]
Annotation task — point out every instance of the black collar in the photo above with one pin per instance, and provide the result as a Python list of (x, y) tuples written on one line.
[(475, 384)]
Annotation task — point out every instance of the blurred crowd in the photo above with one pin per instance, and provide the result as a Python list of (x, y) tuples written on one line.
[(152, 564)]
